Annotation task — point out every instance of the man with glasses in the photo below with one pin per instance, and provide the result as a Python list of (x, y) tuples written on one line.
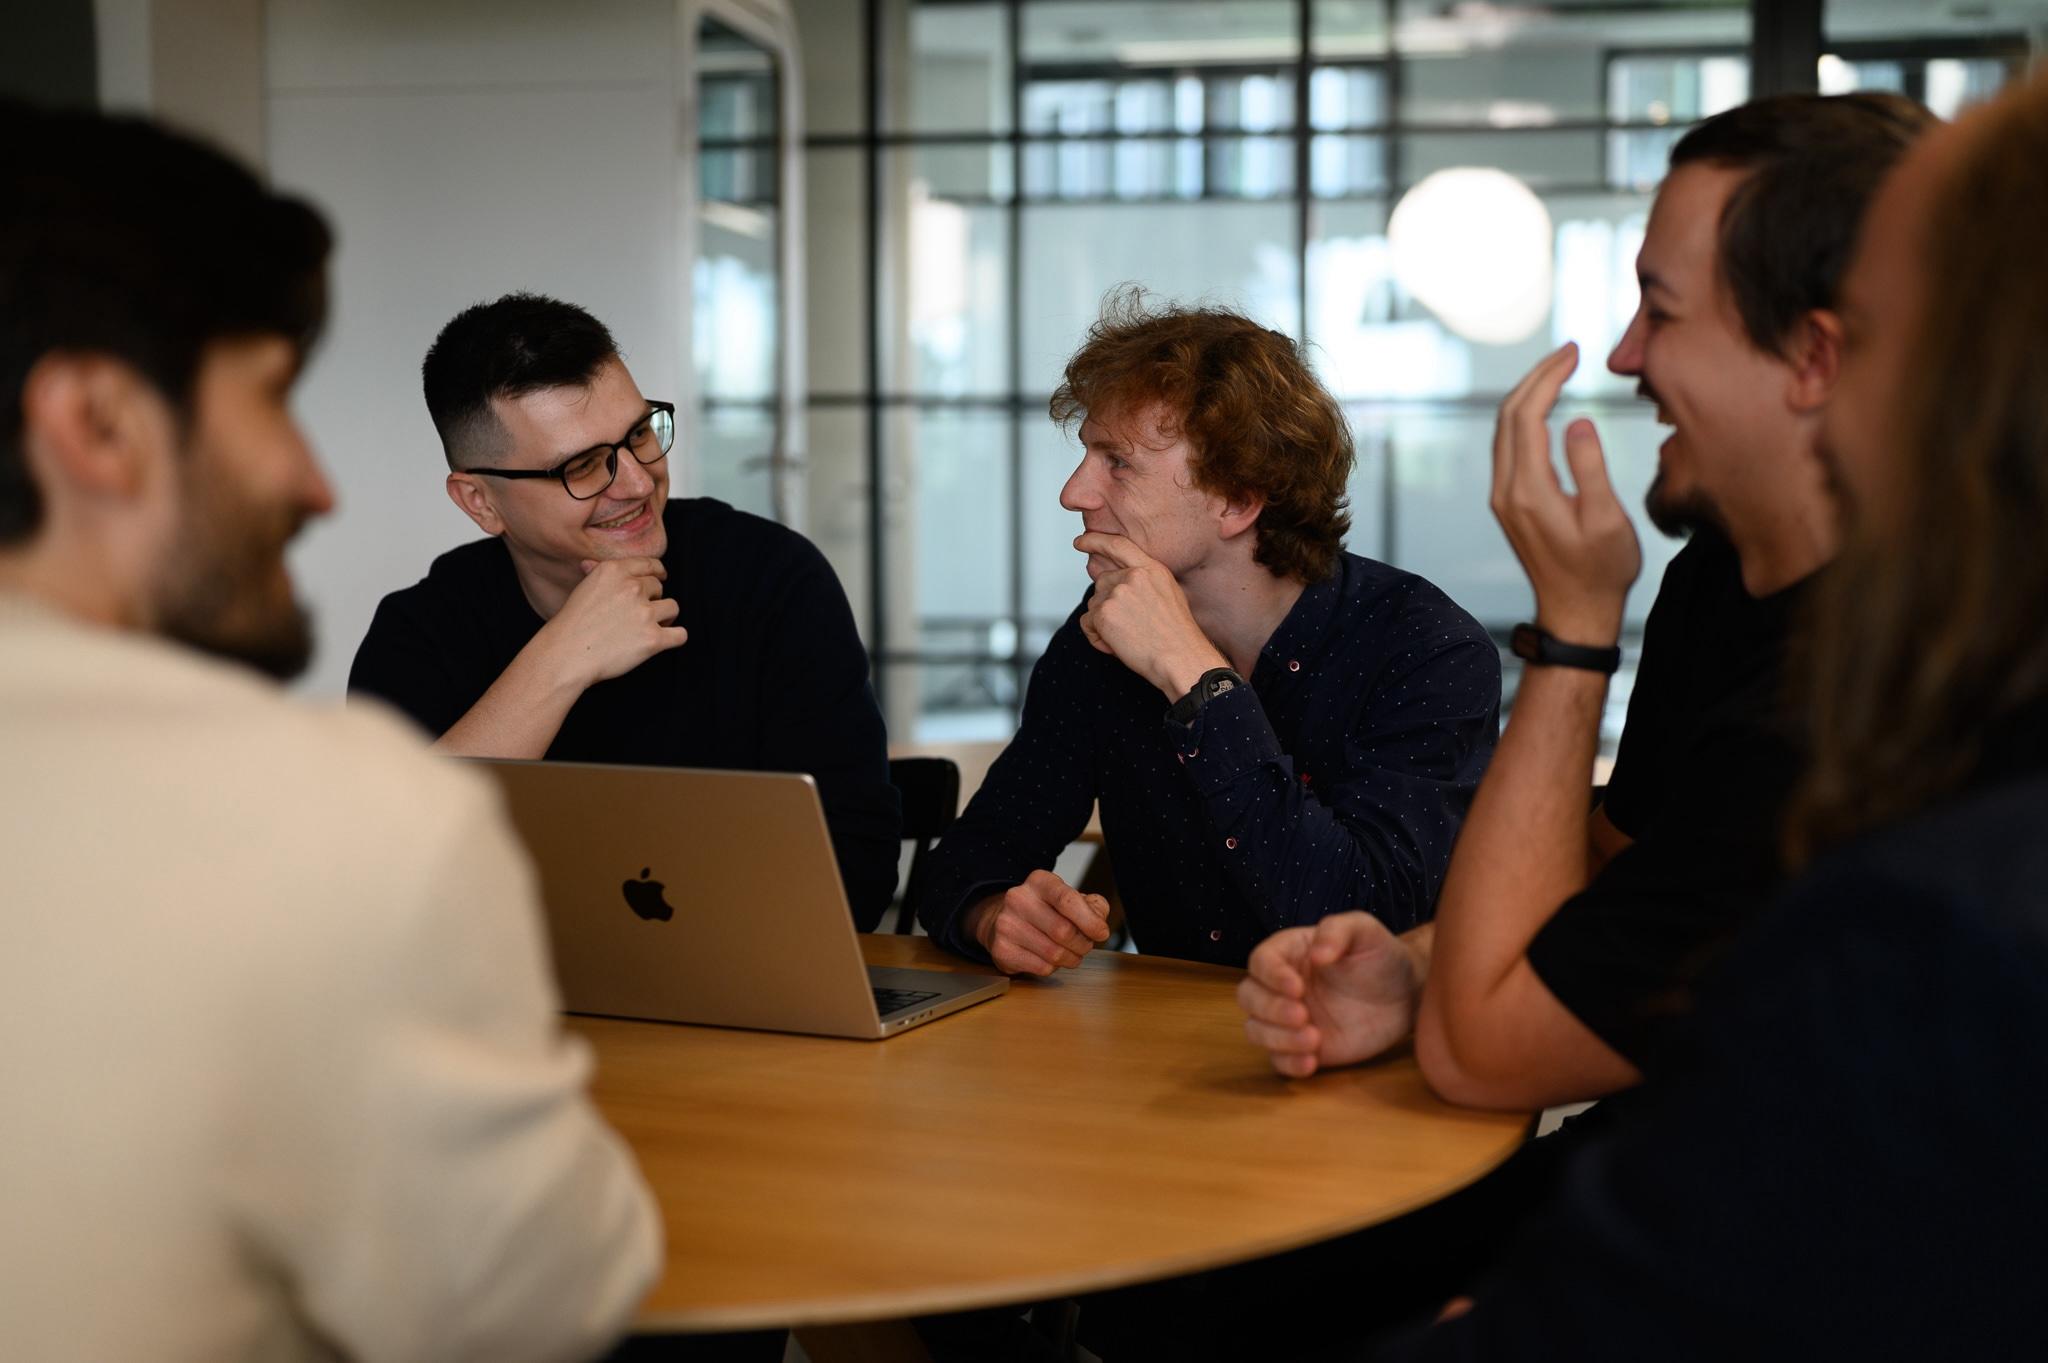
[(602, 622)]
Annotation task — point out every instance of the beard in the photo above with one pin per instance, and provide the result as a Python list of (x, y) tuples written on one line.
[(219, 584), (1678, 515)]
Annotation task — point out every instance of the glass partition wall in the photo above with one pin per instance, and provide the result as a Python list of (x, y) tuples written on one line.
[(743, 422), (1430, 195)]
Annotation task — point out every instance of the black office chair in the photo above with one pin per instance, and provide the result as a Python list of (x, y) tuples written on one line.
[(930, 787)]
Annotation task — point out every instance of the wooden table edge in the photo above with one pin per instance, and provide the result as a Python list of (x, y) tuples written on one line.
[(861, 1308)]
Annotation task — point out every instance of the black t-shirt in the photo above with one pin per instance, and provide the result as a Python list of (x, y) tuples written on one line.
[(1707, 760), (773, 677), (1846, 1163)]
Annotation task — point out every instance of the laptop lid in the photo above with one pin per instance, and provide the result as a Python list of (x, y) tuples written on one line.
[(686, 895)]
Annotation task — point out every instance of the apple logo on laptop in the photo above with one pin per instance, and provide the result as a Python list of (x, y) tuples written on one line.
[(644, 897)]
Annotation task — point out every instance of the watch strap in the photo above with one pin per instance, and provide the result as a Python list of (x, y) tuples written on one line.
[(1207, 687), (1536, 645)]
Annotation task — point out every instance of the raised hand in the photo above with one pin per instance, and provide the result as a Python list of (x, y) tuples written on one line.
[(1336, 993), (1040, 926), (1579, 549), (615, 620), (1139, 615)]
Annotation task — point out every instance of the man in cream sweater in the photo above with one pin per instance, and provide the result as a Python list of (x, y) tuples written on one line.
[(283, 1077)]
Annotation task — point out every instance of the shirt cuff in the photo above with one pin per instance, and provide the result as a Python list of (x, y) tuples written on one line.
[(952, 933), (1230, 736)]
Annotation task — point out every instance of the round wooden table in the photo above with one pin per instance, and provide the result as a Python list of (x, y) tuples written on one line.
[(1105, 1127)]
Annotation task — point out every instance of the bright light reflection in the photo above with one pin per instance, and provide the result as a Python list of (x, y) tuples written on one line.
[(1473, 245)]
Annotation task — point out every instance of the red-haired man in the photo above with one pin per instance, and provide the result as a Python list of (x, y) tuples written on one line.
[(1274, 729)]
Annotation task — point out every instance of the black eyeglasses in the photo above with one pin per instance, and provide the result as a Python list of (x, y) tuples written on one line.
[(586, 475)]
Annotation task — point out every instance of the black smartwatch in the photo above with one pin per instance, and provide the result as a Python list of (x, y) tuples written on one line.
[(1207, 687), (1533, 645)]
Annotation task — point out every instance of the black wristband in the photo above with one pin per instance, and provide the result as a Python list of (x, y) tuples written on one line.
[(1207, 687), (1534, 645)]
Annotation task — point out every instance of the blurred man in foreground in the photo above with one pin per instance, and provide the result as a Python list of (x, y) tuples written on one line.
[(284, 1077)]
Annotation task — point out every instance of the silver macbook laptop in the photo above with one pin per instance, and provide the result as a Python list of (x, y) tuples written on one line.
[(708, 896)]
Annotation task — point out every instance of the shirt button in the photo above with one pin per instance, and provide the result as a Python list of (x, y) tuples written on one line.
[(1231, 843), (1294, 664), (1215, 934)]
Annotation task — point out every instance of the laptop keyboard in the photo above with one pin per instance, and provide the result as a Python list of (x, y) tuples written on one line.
[(889, 1001)]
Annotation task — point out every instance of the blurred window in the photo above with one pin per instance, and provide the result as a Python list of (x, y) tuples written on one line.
[(1034, 155)]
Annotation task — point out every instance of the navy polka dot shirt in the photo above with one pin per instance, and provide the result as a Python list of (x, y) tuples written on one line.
[(1336, 780)]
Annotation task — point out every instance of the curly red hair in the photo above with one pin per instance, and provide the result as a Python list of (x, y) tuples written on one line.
[(1257, 421)]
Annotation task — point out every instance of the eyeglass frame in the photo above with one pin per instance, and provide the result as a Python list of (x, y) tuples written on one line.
[(560, 472)]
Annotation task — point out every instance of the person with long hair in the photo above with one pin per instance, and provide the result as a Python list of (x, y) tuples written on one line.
[(1849, 1165)]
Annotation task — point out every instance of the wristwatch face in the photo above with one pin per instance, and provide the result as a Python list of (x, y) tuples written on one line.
[(1215, 686), (1526, 643)]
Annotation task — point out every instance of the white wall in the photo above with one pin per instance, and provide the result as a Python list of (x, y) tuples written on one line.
[(461, 149)]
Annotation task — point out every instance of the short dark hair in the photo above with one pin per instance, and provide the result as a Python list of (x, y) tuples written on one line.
[(1814, 161), (121, 238), (521, 344), (1254, 416)]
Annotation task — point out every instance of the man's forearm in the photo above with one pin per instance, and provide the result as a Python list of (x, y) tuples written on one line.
[(520, 714), (1523, 850)]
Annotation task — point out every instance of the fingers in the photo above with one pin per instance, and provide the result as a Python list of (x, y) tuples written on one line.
[(1293, 1053), (1271, 996), (1588, 463), (1087, 912), (1293, 1066), (1276, 963), (1270, 1007), (1566, 353), (1045, 925), (1342, 934), (1290, 1041), (1531, 421), (1504, 421), (1019, 948), (1092, 634), (1521, 434), (1118, 549)]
